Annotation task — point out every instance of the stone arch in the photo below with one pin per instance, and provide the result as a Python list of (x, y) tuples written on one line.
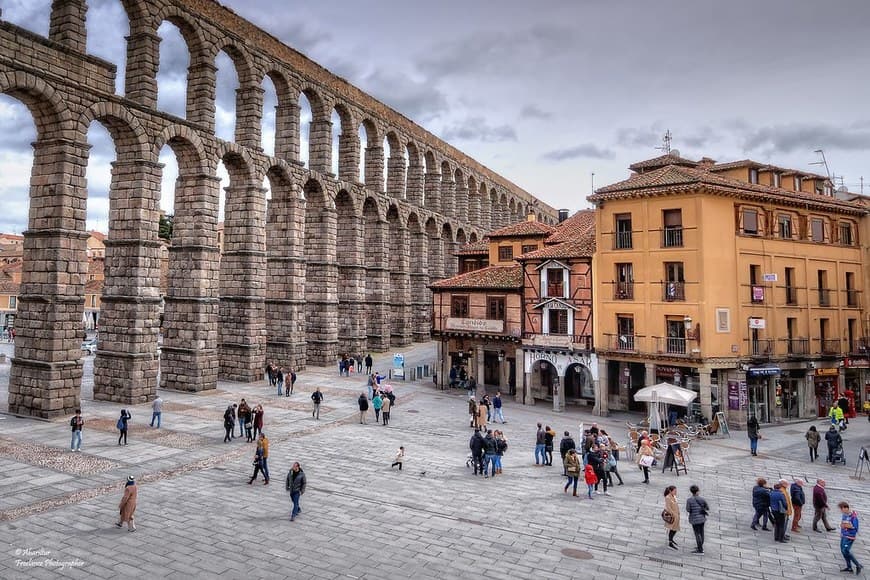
[(448, 198), (126, 130), (373, 163), (319, 131), (414, 181), (461, 238), (201, 73), (351, 276), (239, 163), (286, 126), (460, 189), (432, 182), (188, 148), (377, 275), (512, 210), (472, 237), (45, 104), (400, 281), (395, 166), (579, 383), (248, 98)]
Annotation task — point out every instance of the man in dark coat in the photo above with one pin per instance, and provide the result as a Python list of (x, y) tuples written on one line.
[(761, 504), (295, 484), (363, 407), (834, 440), (489, 450), (476, 446), (798, 499), (820, 506)]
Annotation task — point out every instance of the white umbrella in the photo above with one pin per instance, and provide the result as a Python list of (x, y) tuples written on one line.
[(666, 393)]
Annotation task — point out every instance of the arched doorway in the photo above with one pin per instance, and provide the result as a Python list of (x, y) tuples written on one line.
[(579, 384), (544, 376)]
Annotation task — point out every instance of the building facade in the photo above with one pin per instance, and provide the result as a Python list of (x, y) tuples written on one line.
[(742, 281)]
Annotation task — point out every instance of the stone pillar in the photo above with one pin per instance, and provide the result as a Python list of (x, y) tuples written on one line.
[(414, 186), (243, 285), (377, 287), (46, 373), (351, 287), (559, 392), (375, 168), (460, 204), (190, 317), (249, 117), (400, 286), (67, 24), (320, 147), (474, 209), (433, 191), (649, 374), (285, 279), (140, 79), (421, 296), (706, 394), (287, 133), (436, 258), (451, 265), (201, 79), (321, 285), (602, 391), (396, 176), (476, 368), (485, 214), (448, 207), (126, 364), (348, 156)]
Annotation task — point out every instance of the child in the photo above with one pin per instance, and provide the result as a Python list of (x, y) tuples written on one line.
[(591, 480), (400, 457)]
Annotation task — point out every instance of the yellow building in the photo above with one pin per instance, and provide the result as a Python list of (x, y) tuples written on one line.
[(742, 281)]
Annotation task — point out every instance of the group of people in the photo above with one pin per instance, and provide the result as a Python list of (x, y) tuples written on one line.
[(597, 458), (283, 380), (485, 411), (487, 452), (77, 424), (249, 420), (382, 402), (348, 363), (697, 510), (460, 378)]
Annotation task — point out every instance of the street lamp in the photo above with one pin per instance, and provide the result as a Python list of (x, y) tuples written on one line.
[(501, 356), (687, 322)]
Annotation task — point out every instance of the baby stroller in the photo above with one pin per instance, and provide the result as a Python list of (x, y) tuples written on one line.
[(469, 461), (838, 456)]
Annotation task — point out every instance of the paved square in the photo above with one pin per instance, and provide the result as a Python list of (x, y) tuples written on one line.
[(197, 517)]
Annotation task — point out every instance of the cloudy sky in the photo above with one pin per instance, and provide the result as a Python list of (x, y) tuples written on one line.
[(544, 93)]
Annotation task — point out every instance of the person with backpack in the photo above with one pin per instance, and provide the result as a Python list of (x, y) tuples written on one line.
[(671, 515), (572, 469), (295, 484), (565, 445), (697, 510), (76, 423), (122, 425), (317, 397), (848, 533)]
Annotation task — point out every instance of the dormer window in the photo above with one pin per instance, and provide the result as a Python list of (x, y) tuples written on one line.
[(753, 175), (798, 183), (555, 282), (777, 179)]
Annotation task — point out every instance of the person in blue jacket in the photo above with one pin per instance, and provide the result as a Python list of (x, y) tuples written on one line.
[(779, 508), (761, 503), (848, 533)]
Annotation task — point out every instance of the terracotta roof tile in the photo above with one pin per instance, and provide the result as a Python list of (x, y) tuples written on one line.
[(491, 277), (764, 167), (583, 247), (97, 235), (573, 227), (661, 161), (478, 248), (524, 228), (94, 287)]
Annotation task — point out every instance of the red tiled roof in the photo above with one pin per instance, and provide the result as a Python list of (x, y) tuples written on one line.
[(522, 229), (575, 226), (491, 277), (11, 237), (478, 248), (94, 287), (661, 161), (679, 179), (97, 235), (9, 287), (583, 247), (764, 167)]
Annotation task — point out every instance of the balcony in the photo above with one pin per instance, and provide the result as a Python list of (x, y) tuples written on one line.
[(860, 346), (673, 291), (824, 297), (568, 341), (671, 345), (761, 348), (623, 291), (622, 241), (851, 298), (829, 346), (622, 342), (797, 346), (672, 237)]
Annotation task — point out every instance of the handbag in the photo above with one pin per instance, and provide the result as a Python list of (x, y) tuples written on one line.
[(668, 517), (646, 460), (611, 462)]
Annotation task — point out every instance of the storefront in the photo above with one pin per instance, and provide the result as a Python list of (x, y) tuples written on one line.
[(857, 371), (826, 387), (624, 379), (762, 386), (790, 392), (561, 377), (685, 377)]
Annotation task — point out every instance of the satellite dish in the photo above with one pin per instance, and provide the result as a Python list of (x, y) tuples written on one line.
[(843, 189), (675, 152)]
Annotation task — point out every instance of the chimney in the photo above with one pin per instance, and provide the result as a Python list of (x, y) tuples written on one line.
[(706, 162), (563, 215)]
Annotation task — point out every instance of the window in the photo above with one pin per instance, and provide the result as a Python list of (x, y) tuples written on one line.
[(530, 248), (850, 334), (625, 332), (505, 253), (624, 289), (674, 282), (672, 234), (851, 293), (93, 300), (750, 222), (753, 175), (13, 302), (676, 340), (459, 307), (784, 226), (798, 183), (558, 319), (495, 308), (817, 230), (777, 179), (756, 290), (846, 233), (723, 320), (824, 293), (623, 231), (555, 282), (790, 290)]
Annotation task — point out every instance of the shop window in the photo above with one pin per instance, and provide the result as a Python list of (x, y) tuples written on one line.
[(505, 253), (459, 307), (558, 319), (495, 309)]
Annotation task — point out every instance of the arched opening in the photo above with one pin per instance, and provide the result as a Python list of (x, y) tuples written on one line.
[(321, 299), (174, 62), (336, 130), (451, 265), (432, 185), (436, 250), (579, 384), (99, 180), (460, 193), (374, 157), (268, 125), (226, 85), (394, 172), (544, 376), (472, 237), (305, 116), (512, 211), (107, 27), (414, 183), (377, 277), (363, 136)]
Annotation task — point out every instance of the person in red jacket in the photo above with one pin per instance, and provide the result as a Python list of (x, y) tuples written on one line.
[(591, 480)]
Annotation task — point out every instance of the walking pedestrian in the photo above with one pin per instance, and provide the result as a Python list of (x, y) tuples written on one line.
[(295, 484), (798, 499), (761, 504), (540, 438), (268, 376), (480, 419), (591, 479), (834, 441), (156, 410), (369, 364), (279, 381), (244, 416), (572, 469), (317, 397), (645, 458), (485, 402), (229, 423), (549, 436), (820, 507), (359, 363), (697, 510), (472, 411), (377, 403), (613, 463), (76, 423), (122, 425), (498, 415), (778, 508), (848, 533), (292, 381), (753, 430), (363, 407), (598, 460), (127, 507), (789, 508), (386, 405), (400, 458), (565, 445), (475, 444), (258, 465), (813, 439), (258, 419), (671, 515)]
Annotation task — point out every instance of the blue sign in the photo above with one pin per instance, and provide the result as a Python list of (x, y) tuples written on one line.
[(763, 371)]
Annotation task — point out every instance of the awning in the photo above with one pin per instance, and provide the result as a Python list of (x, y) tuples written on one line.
[(666, 393)]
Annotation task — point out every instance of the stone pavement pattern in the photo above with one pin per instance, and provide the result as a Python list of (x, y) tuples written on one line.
[(198, 518)]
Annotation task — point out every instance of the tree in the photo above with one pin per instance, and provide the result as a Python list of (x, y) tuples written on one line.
[(165, 229)]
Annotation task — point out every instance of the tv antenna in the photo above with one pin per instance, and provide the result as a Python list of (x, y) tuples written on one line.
[(666, 143), (821, 152)]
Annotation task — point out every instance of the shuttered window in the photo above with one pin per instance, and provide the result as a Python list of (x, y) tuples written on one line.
[(750, 222)]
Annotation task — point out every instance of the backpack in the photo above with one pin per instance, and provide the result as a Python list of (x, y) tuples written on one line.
[(121, 424)]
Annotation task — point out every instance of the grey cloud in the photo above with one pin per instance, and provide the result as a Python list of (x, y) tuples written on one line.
[(418, 100), (793, 137), (587, 150), (478, 129), (535, 112), (636, 137)]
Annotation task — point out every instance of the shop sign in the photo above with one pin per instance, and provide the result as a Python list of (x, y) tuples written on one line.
[(744, 395), (733, 396), (763, 371), (827, 372), (756, 323), (667, 372), (769, 277), (857, 363), (475, 324)]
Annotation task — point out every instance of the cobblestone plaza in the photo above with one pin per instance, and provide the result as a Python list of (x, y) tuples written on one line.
[(198, 518)]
